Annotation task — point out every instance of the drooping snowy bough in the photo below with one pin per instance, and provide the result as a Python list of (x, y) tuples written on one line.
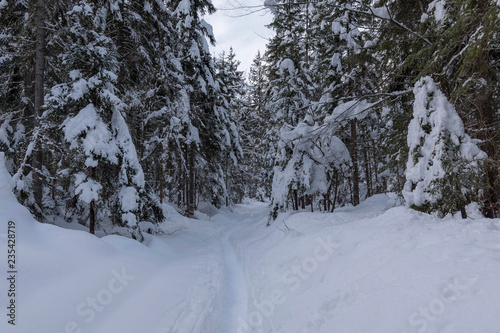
[(316, 165)]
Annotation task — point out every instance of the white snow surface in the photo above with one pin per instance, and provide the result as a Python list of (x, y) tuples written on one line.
[(373, 268)]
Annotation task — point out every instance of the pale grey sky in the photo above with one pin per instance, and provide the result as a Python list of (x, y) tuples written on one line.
[(246, 34)]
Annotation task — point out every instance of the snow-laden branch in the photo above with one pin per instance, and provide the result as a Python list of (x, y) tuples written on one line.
[(384, 13), (358, 108)]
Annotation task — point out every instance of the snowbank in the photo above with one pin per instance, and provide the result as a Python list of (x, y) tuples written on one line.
[(365, 270), (71, 281)]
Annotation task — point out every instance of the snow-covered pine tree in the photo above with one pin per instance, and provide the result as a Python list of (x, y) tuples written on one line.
[(255, 129), (16, 113), (396, 48), (288, 96), (231, 93), (101, 166), (150, 80), (353, 72), (444, 170), (469, 71), (23, 41), (316, 170), (452, 41), (290, 104), (257, 84), (336, 70), (207, 133)]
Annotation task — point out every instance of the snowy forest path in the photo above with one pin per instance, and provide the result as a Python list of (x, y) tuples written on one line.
[(210, 270), (235, 303), (235, 296)]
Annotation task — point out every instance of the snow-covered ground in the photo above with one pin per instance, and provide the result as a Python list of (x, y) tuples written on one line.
[(373, 268)]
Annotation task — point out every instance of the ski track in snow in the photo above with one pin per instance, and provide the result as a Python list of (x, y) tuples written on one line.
[(235, 305), (218, 303), (235, 300)]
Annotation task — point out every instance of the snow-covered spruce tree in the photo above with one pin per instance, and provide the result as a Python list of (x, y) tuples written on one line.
[(290, 104), (288, 95), (23, 38), (231, 92), (150, 80), (344, 69), (101, 166), (16, 113), (403, 49), (455, 42), (444, 169), (257, 84), (207, 134), (470, 72), (335, 41), (255, 129)]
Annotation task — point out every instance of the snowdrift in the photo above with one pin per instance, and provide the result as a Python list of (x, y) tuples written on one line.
[(373, 268), (71, 281)]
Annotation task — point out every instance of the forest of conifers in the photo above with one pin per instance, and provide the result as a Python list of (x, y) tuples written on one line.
[(111, 108)]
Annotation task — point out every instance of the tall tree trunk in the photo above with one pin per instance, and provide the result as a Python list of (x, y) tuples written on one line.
[(181, 187), (355, 167), (295, 200), (161, 179), (334, 202), (92, 214), (375, 166), (92, 210), (191, 196), (226, 178), (368, 174), (39, 101)]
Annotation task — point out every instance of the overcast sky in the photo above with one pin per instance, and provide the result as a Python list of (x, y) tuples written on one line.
[(246, 34)]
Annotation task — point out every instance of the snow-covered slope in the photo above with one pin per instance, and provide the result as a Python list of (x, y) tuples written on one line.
[(372, 268), (71, 281)]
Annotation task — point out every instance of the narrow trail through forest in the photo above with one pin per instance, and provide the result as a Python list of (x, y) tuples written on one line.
[(235, 298), (235, 304), (218, 299)]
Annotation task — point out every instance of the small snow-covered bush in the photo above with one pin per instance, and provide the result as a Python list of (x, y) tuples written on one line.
[(444, 164)]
